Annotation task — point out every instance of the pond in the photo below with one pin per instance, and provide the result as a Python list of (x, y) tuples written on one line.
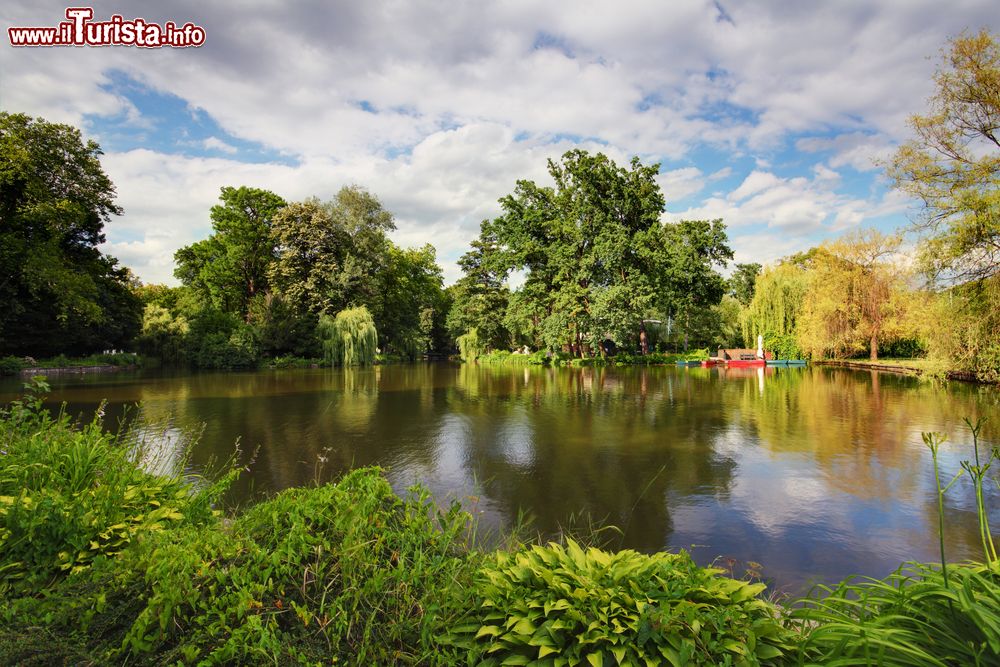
[(814, 473)]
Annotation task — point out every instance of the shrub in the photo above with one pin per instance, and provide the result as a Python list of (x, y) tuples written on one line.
[(566, 606), (10, 365), (345, 571), (913, 617), (71, 494)]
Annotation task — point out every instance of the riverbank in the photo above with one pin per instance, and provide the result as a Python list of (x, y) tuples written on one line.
[(914, 367), (124, 566)]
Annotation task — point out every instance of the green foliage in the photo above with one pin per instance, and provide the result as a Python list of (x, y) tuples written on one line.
[(742, 283), (953, 163), (229, 268), (219, 340), (913, 617), (689, 285), (163, 335), (345, 571), (480, 298), (350, 338), (413, 306), (557, 605), (330, 252), (69, 495), (777, 301), (921, 614), (505, 358), (962, 328), (59, 293), (10, 365), (586, 247), (659, 358), (470, 347), (784, 346)]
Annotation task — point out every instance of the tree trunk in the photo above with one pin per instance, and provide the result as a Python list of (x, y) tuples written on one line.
[(874, 347)]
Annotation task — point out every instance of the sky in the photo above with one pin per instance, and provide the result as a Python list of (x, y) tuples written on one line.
[(770, 115)]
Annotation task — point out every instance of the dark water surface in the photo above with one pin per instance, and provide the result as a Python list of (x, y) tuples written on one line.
[(815, 473)]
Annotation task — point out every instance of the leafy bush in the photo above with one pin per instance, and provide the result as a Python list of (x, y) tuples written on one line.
[(345, 571), (784, 346), (226, 351), (557, 605), (913, 617), (505, 358), (71, 494), (10, 365)]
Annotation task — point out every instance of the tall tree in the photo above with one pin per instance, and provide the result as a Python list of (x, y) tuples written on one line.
[(58, 292), (774, 310), (580, 245), (856, 298), (412, 300), (480, 296), (741, 283), (953, 163), (328, 253), (230, 268), (687, 260)]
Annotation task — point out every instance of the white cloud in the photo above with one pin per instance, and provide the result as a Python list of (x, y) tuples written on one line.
[(216, 144), (468, 98)]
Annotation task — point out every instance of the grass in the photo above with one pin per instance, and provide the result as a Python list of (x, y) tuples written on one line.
[(104, 563)]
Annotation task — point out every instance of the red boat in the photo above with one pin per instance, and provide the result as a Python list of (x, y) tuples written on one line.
[(710, 362), (737, 363)]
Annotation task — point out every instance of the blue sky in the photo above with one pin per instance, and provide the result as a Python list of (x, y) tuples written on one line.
[(770, 115)]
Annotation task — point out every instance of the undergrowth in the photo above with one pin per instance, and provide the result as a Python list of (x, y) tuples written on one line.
[(103, 563)]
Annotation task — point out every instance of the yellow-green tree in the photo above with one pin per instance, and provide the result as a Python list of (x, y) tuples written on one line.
[(349, 338), (952, 164), (773, 312), (856, 296)]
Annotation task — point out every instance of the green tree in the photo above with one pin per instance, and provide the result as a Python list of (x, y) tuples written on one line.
[(741, 283), (687, 278), (480, 296), (350, 338), (580, 244), (230, 268), (774, 310), (328, 253), (58, 292), (953, 163), (413, 300)]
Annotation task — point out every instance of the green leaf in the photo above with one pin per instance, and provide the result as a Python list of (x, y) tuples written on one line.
[(488, 631)]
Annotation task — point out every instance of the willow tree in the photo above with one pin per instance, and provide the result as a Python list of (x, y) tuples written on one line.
[(470, 346), (349, 338), (774, 309), (856, 298)]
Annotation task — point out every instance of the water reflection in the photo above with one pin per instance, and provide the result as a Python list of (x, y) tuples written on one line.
[(814, 472)]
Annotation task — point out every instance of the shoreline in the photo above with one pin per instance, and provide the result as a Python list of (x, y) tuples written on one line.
[(78, 370), (900, 369)]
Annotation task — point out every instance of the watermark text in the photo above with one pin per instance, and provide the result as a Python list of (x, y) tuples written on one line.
[(79, 29)]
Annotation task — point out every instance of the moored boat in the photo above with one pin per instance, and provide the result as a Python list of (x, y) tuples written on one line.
[(738, 363)]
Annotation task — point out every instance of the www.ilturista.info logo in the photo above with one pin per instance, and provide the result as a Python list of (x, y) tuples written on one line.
[(79, 30)]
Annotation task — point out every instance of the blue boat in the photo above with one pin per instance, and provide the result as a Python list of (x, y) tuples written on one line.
[(689, 363), (786, 362)]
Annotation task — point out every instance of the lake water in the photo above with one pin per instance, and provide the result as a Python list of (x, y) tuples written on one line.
[(815, 473)]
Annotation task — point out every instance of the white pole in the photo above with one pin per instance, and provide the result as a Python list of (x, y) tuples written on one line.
[(760, 347)]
